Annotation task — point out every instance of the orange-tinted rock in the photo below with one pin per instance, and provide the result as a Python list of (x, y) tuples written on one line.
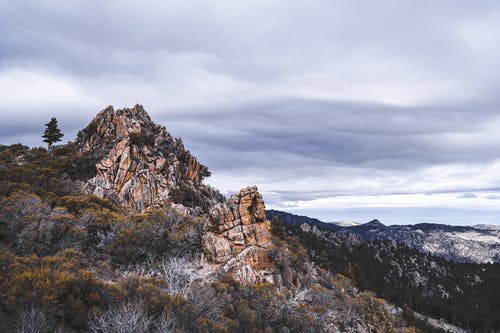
[(240, 225), (251, 206), (246, 267), (217, 248), (235, 236), (141, 163)]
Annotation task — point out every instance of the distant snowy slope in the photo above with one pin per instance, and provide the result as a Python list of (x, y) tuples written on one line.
[(487, 226), (346, 223)]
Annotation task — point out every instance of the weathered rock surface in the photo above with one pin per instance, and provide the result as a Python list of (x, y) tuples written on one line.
[(238, 236), (142, 166)]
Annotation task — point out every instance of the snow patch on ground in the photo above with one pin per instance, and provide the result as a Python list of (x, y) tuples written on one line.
[(487, 226), (440, 323), (472, 246), (346, 224)]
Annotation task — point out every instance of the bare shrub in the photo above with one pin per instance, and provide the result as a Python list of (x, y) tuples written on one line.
[(205, 303), (126, 318), (166, 323), (33, 320), (179, 274)]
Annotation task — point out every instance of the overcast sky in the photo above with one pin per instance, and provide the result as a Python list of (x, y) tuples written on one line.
[(341, 110)]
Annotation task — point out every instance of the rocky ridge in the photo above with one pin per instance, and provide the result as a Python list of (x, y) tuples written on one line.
[(467, 244), (142, 167)]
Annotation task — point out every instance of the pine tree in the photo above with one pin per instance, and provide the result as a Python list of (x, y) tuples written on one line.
[(355, 273), (52, 133), (408, 315), (278, 228)]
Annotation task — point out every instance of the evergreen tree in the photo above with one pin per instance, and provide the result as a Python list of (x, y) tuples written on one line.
[(355, 273), (408, 315), (52, 133), (278, 228)]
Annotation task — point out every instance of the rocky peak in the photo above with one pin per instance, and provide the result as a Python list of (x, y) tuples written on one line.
[(110, 126), (374, 223), (142, 165)]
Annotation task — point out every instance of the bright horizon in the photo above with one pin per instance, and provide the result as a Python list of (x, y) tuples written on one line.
[(338, 111)]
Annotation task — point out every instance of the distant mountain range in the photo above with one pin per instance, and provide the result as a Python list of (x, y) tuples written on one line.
[(468, 244)]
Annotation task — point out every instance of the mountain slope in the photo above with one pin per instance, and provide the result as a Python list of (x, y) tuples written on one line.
[(466, 294), (116, 232)]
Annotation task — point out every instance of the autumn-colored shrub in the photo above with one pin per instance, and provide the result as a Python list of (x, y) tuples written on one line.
[(77, 203), (49, 175), (62, 285), (136, 241), (156, 233)]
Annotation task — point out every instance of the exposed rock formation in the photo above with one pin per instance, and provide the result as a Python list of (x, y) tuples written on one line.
[(237, 224), (142, 165), (238, 236)]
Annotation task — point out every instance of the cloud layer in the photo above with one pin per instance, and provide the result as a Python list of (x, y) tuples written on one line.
[(325, 105)]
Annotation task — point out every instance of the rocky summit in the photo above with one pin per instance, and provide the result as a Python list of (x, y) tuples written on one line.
[(142, 166)]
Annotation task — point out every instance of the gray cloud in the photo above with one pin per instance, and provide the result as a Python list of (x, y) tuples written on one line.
[(364, 135), (467, 196), (309, 99)]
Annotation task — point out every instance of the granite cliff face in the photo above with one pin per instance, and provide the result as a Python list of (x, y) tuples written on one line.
[(142, 167)]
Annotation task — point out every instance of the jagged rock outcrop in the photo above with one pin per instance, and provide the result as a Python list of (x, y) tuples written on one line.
[(142, 165), (238, 236)]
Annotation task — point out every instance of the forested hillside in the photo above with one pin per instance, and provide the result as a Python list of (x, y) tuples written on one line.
[(465, 294)]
